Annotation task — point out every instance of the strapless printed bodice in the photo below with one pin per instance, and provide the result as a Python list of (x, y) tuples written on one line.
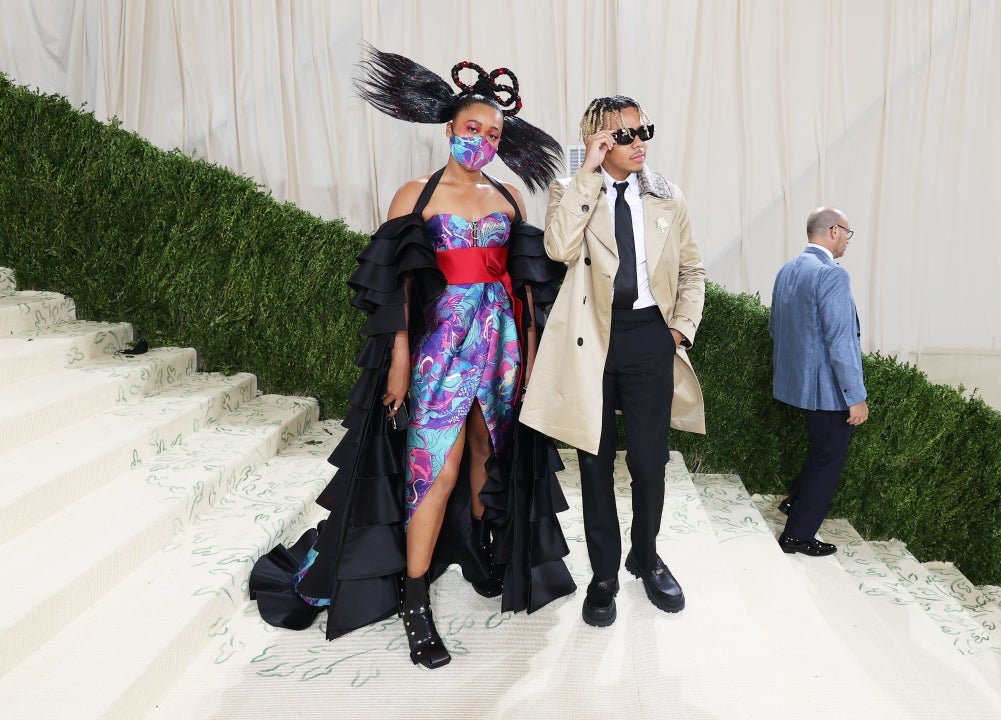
[(452, 232)]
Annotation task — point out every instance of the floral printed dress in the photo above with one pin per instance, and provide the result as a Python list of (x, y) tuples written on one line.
[(464, 339), (468, 353)]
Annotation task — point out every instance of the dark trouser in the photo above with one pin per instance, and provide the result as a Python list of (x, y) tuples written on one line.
[(639, 379), (813, 490)]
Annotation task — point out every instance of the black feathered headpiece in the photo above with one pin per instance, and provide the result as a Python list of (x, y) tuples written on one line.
[(399, 87)]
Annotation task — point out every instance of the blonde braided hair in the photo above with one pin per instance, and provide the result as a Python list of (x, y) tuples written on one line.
[(595, 115)]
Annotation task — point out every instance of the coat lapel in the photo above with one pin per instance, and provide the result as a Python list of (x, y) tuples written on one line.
[(659, 212), (602, 227), (658, 219)]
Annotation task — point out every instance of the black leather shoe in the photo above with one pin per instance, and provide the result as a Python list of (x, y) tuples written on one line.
[(660, 585), (812, 547), (785, 506), (599, 605)]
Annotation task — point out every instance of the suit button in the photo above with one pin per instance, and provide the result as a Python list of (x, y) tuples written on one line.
[(587, 261), (585, 208), (580, 341)]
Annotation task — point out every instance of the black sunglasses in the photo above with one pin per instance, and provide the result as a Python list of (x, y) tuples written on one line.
[(625, 136)]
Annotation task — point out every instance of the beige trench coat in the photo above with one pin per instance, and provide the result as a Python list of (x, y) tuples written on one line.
[(564, 397)]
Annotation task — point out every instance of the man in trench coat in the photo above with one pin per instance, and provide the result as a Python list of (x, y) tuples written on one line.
[(616, 340)]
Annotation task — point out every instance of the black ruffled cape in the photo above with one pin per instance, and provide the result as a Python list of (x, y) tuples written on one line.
[(361, 545)]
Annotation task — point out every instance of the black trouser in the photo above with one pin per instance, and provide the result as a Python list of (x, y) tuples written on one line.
[(812, 491), (638, 379)]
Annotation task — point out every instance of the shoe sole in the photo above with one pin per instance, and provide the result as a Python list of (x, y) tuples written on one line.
[(793, 551), (594, 622), (661, 603), (430, 666)]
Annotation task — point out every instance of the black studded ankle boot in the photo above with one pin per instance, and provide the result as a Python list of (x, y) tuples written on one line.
[(426, 646), (493, 585)]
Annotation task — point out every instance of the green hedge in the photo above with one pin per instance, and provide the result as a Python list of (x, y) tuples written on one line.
[(189, 253), (194, 255), (925, 468)]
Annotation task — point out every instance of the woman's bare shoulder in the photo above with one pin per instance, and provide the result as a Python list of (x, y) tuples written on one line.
[(406, 197), (516, 194)]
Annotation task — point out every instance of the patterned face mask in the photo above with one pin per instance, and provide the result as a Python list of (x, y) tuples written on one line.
[(472, 152)]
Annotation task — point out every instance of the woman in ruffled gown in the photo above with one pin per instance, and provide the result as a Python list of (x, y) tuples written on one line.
[(453, 285)]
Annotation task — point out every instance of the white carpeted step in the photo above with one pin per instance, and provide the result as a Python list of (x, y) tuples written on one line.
[(873, 578), (992, 598), (900, 603), (61, 467), (976, 602), (890, 595), (32, 309), (833, 592), (71, 559), (43, 404), (943, 608), (752, 644), (7, 282), (66, 344), (126, 648)]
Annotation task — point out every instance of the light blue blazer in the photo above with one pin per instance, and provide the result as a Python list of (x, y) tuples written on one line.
[(816, 354)]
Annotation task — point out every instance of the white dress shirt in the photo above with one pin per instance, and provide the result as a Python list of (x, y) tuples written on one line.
[(632, 194), (815, 245)]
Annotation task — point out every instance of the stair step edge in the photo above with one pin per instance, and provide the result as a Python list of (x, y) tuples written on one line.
[(153, 502)]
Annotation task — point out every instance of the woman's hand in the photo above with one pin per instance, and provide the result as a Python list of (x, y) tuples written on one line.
[(398, 381)]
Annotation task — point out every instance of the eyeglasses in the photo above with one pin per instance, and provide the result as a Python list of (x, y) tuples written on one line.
[(849, 232), (625, 136)]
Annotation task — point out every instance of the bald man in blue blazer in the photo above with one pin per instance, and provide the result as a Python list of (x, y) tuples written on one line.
[(817, 367)]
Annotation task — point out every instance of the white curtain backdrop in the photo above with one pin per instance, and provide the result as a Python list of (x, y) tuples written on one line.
[(888, 109)]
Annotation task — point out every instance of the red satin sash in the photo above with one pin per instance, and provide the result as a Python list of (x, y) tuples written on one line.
[(465, 266)]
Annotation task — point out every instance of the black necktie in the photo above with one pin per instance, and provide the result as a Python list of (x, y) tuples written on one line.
[(625, 279)]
